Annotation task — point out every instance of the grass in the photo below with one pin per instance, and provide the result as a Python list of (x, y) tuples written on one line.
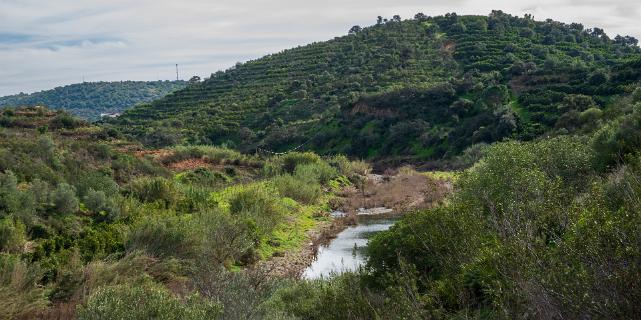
[(291, 233), (523, 114), (451, 176)]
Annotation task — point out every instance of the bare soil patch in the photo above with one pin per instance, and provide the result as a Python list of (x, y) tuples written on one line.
[(401, 192)]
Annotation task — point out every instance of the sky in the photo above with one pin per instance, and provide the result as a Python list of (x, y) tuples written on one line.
[(45, 43)]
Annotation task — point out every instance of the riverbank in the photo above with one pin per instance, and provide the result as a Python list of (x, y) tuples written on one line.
[(393, 193)]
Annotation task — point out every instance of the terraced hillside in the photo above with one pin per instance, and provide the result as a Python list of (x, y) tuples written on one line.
[(89, 99), (420, 89)]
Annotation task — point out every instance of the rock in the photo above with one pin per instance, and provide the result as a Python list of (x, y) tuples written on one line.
[(374, 211)]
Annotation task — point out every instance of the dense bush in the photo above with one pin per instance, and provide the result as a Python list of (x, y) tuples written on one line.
[(100, 203), (349, 298), (165, 237), (259, 207), (13, 235), (145, 301), (155, 189), (319, 172), (618, 139), (64, 199), (287, 163), (304, 190), (532, 230)]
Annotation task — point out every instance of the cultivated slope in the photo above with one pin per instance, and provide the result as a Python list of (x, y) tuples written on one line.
[(417, 89)]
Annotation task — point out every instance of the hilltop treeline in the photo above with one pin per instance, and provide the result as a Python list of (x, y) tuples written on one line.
[(89, 99)]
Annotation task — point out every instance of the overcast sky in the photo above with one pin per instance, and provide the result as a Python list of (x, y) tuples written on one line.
[(47, 43)]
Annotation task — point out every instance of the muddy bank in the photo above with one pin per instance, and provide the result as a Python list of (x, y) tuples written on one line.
[(401, 191), (393, 193), (292, 264)]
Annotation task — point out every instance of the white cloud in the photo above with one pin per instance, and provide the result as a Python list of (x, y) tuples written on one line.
[(51, 43)]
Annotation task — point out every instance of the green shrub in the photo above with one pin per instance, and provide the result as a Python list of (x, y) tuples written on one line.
[(180, 153), (100, 241), (617, 140), (97, 181), (259, 207), (46, 148), (341, 163), (218, 155), (65, 121), (360, 168), (64, 199), (287, 163), (302, 190), (349, 298), (437, 242), (101, 204), (211, 154), (9, 195), (319, 172), (165, 237), (636, 95), (225, 239), (13, 235), (155, 189), (203, 177), (146, 301), (513, 191), (40, 191), (101, 151)]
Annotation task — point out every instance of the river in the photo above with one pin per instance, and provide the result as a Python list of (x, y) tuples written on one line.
[(346, 251)]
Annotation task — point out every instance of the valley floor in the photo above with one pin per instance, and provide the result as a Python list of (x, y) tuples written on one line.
[(394, 193)]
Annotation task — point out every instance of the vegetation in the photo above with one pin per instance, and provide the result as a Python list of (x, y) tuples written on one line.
[(422, 89), (543, 119), (87, 220), (543, 230), (88, 100)]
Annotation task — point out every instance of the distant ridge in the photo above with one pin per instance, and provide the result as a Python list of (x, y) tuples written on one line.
[(89, 100)]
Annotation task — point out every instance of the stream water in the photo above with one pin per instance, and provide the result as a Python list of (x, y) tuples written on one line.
[(346, 251)]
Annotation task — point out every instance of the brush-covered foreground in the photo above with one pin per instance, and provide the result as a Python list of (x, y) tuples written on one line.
[(548, 229), (90, 220), (94, 227)]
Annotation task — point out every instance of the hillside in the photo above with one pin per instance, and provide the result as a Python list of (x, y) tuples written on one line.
[(89, 99), (416, 90)]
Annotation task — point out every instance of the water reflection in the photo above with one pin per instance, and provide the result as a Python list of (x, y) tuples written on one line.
[(345, 252)]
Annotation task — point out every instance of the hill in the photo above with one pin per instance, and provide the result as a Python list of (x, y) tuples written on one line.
[(89, 99), (421, 89)]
